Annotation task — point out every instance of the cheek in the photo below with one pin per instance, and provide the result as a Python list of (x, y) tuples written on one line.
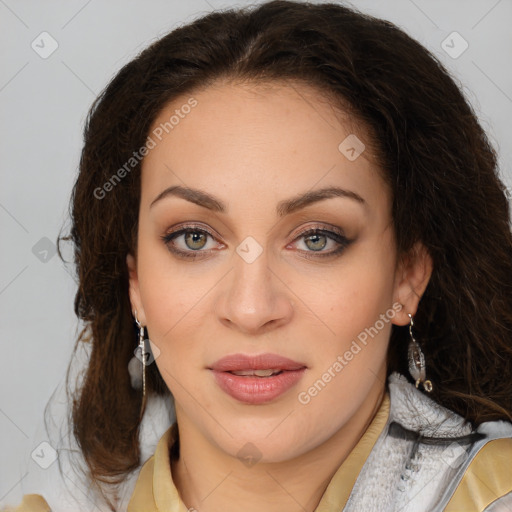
[(169, 291), (173, 305), (174, 330), (351, 356), (350, 352), (353, 297)]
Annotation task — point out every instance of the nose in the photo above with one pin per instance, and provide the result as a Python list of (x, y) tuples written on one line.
[(254, 299)]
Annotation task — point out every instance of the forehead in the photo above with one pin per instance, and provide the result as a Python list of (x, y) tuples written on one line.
[(268, 138)]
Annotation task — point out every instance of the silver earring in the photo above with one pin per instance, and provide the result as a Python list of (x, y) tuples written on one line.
[(417, 367), (134, 364)]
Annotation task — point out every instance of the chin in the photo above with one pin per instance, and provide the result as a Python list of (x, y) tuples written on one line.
[(268, 444)]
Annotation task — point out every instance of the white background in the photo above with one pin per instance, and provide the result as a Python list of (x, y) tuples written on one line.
[(43, 106)]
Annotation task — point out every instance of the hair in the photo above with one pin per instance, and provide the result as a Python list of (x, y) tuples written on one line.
[(433, 153)]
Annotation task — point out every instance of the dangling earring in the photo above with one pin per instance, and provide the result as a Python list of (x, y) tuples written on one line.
[(417, 367), (134, 365)]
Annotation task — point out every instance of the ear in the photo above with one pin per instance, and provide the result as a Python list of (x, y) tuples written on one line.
[(134, 290), (411, 279)]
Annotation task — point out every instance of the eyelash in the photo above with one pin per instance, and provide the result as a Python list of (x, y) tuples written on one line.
[(336, 236)]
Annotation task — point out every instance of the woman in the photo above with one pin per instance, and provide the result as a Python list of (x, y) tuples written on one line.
[(299, 209)]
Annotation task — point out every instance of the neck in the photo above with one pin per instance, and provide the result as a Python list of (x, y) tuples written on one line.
[(209, 480)]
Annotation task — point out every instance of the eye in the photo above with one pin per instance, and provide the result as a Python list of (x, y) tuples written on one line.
[(189, 242), (193, 242), (315, 240)]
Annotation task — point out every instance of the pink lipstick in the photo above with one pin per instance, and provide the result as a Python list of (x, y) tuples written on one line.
[(256, 379)]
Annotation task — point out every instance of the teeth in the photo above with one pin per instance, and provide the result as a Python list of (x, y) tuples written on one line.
[(257, 373)]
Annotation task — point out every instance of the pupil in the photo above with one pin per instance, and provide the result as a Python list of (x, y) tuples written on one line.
[(194, 237), (315, 239)]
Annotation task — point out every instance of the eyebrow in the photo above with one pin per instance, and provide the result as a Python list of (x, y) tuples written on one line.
[(283, 208)]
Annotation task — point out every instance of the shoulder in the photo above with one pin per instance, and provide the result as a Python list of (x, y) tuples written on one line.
[(154, 489), (30, 503), (143, 493), (487, 478)]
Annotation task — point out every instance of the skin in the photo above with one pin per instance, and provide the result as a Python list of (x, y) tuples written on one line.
[(252, 146)]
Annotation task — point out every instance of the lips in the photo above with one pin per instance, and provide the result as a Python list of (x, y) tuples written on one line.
[(256, 379), (239, 362), (256, 373)]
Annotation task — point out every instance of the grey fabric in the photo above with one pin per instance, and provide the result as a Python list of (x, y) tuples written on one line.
[(503, 504), (420, 456)]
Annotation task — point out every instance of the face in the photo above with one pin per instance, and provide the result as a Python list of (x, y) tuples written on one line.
[(266, 270)]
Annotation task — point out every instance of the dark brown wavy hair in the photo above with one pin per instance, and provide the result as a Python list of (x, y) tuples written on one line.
[(433, 153)]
